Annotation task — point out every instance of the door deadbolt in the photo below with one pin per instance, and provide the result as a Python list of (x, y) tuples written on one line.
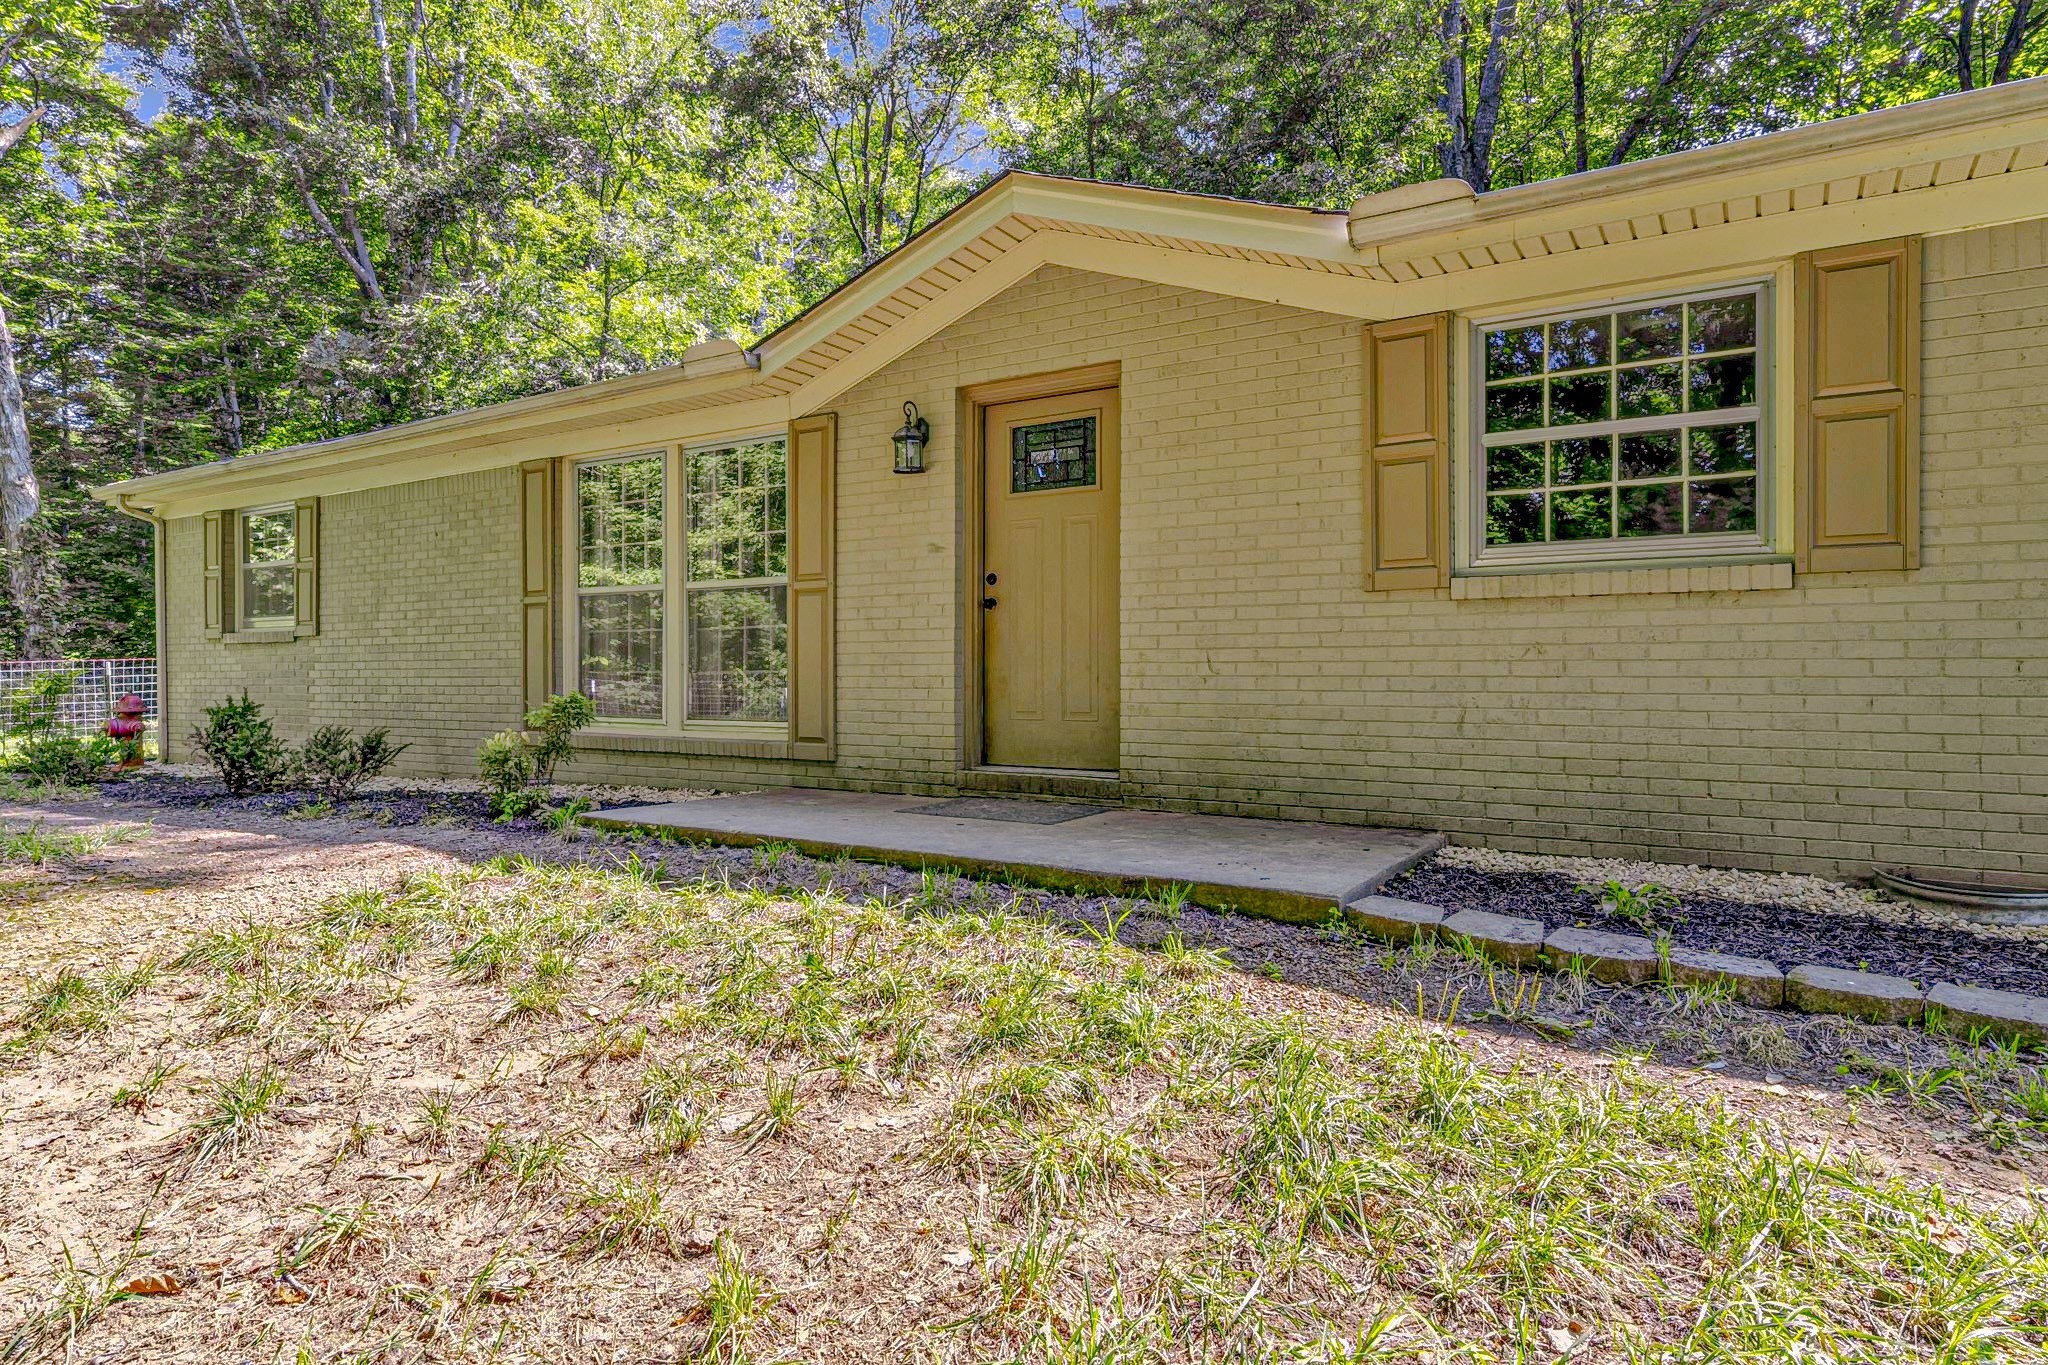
[(991, 580)]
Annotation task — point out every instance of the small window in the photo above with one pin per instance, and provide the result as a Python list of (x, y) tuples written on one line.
[(267, 541), (1049, 455), (1622, 431)]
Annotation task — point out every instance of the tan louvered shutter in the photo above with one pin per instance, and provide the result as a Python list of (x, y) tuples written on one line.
[(1856, 387), (811, 532), (306, 563), (213, 551), (1407, 477), (536, 581)]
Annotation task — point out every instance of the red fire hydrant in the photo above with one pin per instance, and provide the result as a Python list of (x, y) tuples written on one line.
[(126, 727)]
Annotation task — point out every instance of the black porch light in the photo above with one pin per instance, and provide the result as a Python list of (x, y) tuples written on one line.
[(910, 441)]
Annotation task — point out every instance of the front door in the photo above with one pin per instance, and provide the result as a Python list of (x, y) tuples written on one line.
[(1049, 582)]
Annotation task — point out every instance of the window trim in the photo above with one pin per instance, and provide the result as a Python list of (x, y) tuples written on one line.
[(1721, 547), (263, 628), (675, 588)]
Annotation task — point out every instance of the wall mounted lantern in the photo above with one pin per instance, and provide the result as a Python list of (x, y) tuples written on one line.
[(910, 441)]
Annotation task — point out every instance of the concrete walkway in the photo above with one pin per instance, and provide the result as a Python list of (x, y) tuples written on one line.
[(1280, 868)]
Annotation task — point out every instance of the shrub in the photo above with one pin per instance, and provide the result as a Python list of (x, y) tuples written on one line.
[(517, 766), (336, 763), (238, 741), (37, 748)]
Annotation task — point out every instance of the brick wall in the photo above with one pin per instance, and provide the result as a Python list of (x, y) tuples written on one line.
[(1843, 719)]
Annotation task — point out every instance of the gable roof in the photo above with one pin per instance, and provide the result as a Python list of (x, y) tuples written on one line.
[(1939, 165)]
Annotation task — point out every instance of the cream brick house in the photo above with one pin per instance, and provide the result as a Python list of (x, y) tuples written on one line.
[(1693, 509)]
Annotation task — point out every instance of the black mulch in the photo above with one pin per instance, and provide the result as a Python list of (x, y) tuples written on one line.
[(1926, 953), (383, 807)]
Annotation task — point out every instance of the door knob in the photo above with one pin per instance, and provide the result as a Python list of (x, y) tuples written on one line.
[(987, 602)]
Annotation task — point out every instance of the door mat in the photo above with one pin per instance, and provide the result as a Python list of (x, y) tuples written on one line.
[(1013, 812)]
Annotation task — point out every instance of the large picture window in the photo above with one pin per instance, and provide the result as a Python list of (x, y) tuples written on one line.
[(1623, 430), (731, 663)]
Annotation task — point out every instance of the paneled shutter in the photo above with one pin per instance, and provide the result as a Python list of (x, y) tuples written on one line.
[(212, 549), (811, 534), (536, 581), (1857, 404), (1407, 476), (306, 565)]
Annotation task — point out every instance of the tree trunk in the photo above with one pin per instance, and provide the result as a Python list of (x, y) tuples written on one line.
[(20, 499)]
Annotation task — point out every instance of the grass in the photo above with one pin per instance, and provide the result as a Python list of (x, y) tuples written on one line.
[(38, 845), (806, 1109)]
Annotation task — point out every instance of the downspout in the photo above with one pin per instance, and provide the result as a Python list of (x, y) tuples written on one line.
[(159, 572)]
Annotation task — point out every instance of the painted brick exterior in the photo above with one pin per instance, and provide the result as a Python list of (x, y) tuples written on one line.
[(1707, 715)]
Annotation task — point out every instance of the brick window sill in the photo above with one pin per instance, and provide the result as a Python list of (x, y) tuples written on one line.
[(1774, 575), (731, 746)]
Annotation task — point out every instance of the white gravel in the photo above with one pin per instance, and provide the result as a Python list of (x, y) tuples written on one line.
[(602, 795)]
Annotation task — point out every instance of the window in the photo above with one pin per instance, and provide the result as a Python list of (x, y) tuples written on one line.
[(267, 552), (731, 581), (1623, 431), (620, 588), (738, 582)]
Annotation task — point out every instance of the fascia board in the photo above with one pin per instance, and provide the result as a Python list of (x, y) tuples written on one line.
[(1932, 130)]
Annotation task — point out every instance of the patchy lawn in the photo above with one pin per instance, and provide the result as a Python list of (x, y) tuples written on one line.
[(318, 1090)]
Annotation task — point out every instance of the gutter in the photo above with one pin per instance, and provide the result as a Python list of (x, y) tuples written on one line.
[(159, 577)]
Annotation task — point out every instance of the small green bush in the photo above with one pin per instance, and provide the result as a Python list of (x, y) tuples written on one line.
[(38, 749), (238, 741), (517, 766), (336, 763)]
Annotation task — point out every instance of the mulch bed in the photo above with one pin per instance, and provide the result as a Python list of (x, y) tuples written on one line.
[(1783, 933), (1925, 953)]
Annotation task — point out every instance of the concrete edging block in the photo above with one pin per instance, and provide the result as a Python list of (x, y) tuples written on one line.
[(1862, 995), (1393, 919), (1507, 939), (1755, 980), (2006, 1013), (1619, 959)]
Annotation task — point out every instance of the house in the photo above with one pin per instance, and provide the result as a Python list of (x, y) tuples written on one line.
[(1693, 509)]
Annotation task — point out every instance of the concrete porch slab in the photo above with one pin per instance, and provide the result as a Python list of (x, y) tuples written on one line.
[(1279, 868)]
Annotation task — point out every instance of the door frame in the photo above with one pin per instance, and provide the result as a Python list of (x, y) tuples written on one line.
[(974, 402)]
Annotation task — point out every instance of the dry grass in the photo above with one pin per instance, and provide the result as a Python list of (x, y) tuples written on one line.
[(518, 1112)]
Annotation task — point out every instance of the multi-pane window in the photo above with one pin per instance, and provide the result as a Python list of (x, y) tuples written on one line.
[(620, 584), (732, 581), (1606, 428), (267, 543), (738, 576)]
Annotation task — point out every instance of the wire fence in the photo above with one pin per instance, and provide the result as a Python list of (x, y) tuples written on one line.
[(97, 685)]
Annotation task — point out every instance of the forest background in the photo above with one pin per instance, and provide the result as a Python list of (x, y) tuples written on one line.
[(232, 225)]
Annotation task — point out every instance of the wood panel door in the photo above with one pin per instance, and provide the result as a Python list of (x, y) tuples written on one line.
[(1049, 582)]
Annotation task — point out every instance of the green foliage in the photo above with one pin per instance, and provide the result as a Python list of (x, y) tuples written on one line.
[(238, 741), (336, 762), (1643, 906), (38, 748), (302, 245), (517, 766)]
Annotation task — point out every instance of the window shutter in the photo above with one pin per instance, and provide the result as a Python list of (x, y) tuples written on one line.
[(1407, 477), (1857, 402), (811, 533), (213, 549), (306, 579), (536, 581)]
